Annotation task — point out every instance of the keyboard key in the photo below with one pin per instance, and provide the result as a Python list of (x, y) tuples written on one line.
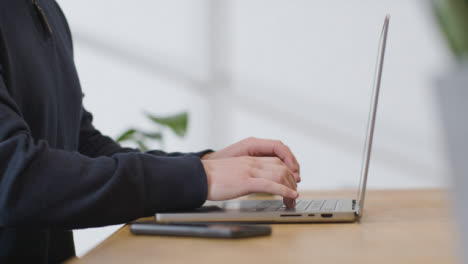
[(329, 206), (302, 205), (315, 205)]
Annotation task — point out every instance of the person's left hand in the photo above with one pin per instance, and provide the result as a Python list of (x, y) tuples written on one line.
[(260, 148)]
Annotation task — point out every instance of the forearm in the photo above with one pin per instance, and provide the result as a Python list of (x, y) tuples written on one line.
[(44, 187)]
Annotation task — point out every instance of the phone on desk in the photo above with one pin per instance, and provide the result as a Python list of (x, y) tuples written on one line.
[(199, 230)]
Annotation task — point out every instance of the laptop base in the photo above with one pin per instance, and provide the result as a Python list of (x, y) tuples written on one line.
[(267, 211)]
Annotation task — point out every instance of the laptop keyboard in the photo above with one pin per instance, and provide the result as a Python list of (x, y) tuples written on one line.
[(301, 206)]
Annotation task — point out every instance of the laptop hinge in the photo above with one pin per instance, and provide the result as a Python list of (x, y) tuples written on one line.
[(356, 208)]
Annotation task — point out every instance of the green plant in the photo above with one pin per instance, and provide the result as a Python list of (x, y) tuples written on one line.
[(453, 19), (176, 123)]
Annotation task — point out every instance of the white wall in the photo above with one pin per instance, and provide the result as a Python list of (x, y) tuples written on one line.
[(300, 71)]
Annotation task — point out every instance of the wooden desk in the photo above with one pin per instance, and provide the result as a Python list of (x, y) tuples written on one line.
[(399, 226)]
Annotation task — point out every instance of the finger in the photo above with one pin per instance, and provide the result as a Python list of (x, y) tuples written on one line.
[(267, 161), (290, 203), (277, 173), (281, 170), (278, 166), (290, 160), (297, 174), (268, 186), (266, 147)]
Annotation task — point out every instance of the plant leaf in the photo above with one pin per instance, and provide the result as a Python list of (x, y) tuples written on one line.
[(453, 20), (154, 136), (177, 123), (142, 145), (126, 135)]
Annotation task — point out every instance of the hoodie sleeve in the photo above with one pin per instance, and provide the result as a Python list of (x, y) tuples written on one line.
[(45, 187)]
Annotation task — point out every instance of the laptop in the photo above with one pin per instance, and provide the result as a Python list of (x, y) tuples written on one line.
[(274, 211)]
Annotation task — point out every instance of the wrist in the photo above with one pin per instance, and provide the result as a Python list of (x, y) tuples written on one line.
[(207, 156), (208, 176)]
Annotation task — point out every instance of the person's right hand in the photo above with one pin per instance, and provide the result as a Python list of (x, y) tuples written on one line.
[(234, 177)]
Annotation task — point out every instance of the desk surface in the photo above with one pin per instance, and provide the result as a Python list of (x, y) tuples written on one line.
[(398, 226)]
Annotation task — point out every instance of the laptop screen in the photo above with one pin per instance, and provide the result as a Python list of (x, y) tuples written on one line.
[(372, 116)]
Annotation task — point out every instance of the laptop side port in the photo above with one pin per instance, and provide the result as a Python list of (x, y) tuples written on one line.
[(290, 215), (327, 215), (311, 215)]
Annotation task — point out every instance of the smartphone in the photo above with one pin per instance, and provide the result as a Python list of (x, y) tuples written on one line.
[(200, 230)]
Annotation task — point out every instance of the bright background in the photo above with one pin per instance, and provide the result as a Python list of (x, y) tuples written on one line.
[(300, 71)]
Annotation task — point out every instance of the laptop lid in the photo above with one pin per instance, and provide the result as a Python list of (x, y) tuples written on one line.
[(372, 116)]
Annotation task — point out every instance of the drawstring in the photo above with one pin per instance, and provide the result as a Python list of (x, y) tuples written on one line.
[(43, 16)]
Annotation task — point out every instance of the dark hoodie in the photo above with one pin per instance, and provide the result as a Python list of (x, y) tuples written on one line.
[(57, 172)]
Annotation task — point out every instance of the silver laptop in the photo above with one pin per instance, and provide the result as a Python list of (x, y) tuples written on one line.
[(271, 211)]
